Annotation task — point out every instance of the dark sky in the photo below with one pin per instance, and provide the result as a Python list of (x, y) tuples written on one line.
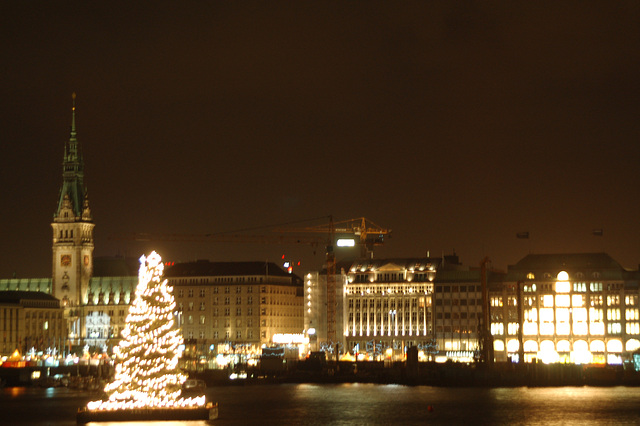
[(456, 124)]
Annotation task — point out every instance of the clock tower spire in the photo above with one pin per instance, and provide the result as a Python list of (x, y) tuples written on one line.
[(72, 237)]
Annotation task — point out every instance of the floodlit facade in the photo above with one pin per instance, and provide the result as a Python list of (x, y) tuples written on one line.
[(457, 313), (72, 247), (388, 306), (31, 321), (315, 310), (235, 307), (575, 308)]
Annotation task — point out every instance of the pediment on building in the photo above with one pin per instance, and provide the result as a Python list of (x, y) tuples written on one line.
[(390, 267)]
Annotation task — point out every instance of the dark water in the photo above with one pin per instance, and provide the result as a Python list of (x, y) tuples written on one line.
[(349, 404)]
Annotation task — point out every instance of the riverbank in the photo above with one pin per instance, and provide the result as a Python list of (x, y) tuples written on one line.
[(422, 373), (434, 374)]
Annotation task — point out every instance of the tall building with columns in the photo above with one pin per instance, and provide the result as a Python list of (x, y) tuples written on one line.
[(72, 228)]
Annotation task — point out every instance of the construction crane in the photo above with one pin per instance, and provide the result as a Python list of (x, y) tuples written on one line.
[(369, 235)]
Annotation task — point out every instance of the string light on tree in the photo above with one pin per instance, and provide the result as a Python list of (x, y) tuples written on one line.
[(147, 375)]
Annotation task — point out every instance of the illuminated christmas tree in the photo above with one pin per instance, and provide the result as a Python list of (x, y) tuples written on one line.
[(148, 375)]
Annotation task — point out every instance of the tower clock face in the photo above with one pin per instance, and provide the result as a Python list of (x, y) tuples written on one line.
[(86, 261), (65, 260)]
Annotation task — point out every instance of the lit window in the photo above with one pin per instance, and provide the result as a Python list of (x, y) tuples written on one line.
[(563, 328), (563, 287), (546, 315), (547, 328), (613, 314), (614, 346), (595, 314), (596, 328), (563, 300), (497, 329), (531, 315), (613, 300), (614, 328), (597, 346), (547, 301), (579, 314), (564, 346), (577, 300), (580, 328), (562, 315)]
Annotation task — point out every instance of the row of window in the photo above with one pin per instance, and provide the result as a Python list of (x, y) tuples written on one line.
[(391, 277), (203, 292), (392, 316), (238, 290), (217, 280), (403, 289), (227, 334), (387, 303)]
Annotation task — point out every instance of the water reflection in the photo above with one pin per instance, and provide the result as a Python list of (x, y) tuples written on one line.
[(347, 404)]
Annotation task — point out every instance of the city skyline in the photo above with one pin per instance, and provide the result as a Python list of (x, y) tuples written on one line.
[(456, 126)]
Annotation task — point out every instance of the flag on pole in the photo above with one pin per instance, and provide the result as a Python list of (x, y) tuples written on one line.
[(522, 235)]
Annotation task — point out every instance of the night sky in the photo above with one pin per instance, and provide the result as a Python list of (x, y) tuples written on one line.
[(455, 124)]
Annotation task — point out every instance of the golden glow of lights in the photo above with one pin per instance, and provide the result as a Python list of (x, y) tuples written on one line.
[(563, 287), (146, 375), (563, 300)]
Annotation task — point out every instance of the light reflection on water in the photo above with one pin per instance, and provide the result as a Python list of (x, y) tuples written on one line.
[(349, 404)]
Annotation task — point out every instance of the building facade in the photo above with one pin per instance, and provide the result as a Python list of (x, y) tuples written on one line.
[(72, 248), (388, 306), (574, 308), (235, 307), (31, 321), (315, 310), (457, 314)]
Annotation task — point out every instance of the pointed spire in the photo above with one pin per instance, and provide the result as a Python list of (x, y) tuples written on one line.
[(72, 139), (73, 115), (72, 170)]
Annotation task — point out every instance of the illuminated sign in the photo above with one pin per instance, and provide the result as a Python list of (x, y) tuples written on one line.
[(346, 242)]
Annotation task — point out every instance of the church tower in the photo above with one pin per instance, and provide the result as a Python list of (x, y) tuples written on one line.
[(72, 238)]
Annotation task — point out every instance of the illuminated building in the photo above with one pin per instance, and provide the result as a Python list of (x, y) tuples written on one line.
[(457, 312), (576, 308), (236, 306), (31, 320), (315, 309), (388, 305), (110, 293), (72, 238)]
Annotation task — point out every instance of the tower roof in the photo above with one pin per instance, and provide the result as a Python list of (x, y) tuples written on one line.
[(73, 193)]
